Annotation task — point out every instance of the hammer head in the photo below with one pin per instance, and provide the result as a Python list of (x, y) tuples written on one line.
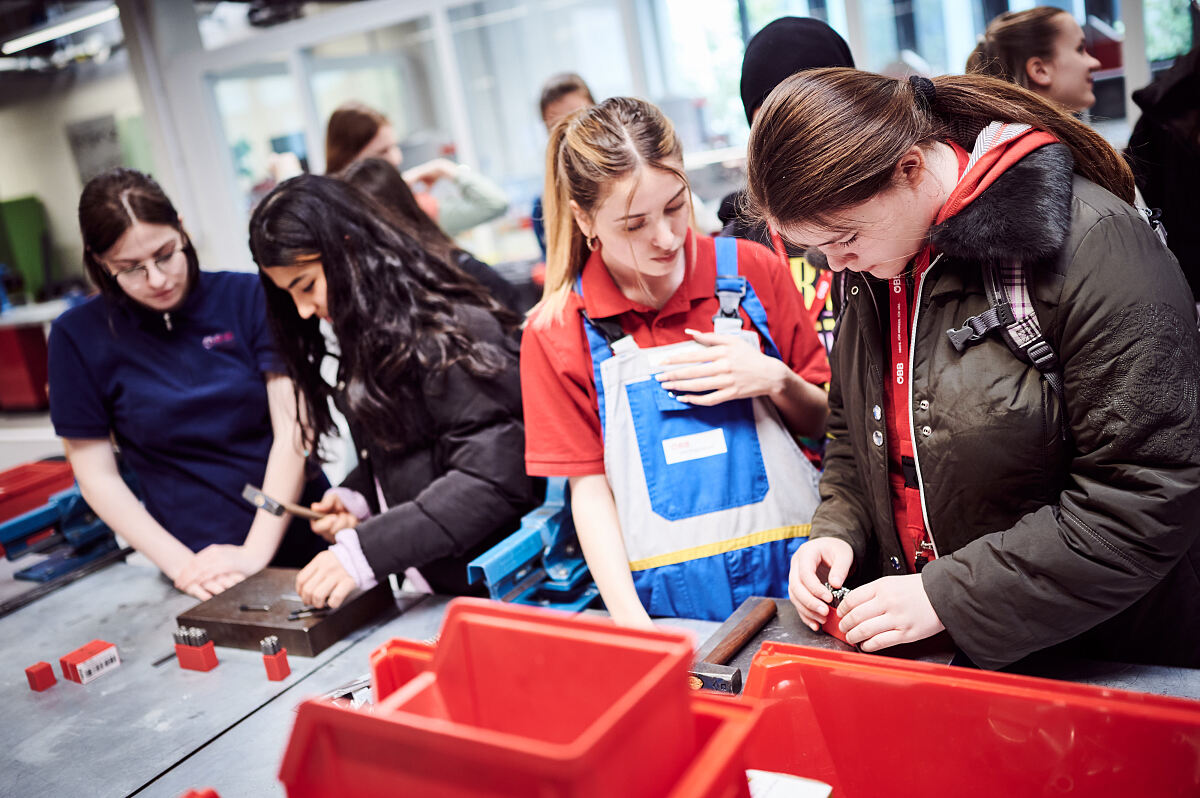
[(261, 500), (721, 678)]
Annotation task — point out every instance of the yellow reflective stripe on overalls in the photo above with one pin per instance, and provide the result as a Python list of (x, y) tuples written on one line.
[(722, 547)]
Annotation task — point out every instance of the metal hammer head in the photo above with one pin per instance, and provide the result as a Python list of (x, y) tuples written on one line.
[(721, 678), (261, 500)]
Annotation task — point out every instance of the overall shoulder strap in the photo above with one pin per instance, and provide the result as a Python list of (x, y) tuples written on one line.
[(734, 291), (601, 335)]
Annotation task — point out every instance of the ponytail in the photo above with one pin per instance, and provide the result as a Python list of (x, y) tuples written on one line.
[(969, 103), (828, 139), (566, 247), (588, 151)]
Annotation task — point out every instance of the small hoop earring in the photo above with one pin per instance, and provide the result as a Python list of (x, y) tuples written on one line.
[(593, 243)]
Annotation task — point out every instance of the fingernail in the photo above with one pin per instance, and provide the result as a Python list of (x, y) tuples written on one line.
[(690, 331)]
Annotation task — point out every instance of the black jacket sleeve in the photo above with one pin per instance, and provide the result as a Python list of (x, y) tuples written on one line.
[(479, 485)]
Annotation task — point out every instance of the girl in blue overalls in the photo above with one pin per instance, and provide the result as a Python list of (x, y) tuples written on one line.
[(666, 374)]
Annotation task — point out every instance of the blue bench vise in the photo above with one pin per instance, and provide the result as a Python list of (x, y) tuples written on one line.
[(540, 564), (66, 528)]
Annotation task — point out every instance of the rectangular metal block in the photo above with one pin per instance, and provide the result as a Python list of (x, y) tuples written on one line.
[(228, 625)]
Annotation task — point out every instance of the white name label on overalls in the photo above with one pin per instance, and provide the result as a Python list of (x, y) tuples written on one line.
[(693, 447)]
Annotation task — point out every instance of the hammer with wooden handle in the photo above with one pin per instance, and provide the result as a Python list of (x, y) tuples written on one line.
[(711, 672)]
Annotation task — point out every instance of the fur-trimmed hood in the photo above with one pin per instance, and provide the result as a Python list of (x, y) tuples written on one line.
[(1025, 215)]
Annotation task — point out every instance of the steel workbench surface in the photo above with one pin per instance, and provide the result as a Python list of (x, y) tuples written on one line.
[(160, 731)]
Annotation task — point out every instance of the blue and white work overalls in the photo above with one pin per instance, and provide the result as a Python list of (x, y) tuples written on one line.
[(712, 501)]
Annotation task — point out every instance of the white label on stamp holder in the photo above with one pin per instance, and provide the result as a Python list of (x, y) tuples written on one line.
[(693, 447)]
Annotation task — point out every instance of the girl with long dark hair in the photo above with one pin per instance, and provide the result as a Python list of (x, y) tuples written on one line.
[(1014, 447), (177, 366), (426, 378), (383, 183)]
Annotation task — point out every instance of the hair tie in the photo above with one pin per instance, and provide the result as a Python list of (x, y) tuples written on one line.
[(925, 91)]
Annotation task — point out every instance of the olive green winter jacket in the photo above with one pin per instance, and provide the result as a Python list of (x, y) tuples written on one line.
[(1051, 524)]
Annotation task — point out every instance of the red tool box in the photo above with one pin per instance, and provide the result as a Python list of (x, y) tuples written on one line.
[(29, 486), (517, 701), (23, 368), (874, 726), (520, 701)]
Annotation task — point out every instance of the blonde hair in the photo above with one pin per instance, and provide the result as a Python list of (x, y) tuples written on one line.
[(589, 150)]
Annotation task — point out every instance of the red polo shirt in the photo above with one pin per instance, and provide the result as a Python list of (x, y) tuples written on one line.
[(562, 419)]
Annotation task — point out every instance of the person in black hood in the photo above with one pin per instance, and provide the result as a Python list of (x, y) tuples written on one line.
[(784, 47), (1164, 152)]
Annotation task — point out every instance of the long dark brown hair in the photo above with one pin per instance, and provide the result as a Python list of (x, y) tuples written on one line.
[(829, 139), (110, 204), (384, 184), (397, 311)]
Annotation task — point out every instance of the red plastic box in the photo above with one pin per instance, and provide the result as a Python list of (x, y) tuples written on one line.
[(516, 701), (40, 676), (874, 726), (197, 658), (23, 368), (277, 665), (89, 661), (28, 487)]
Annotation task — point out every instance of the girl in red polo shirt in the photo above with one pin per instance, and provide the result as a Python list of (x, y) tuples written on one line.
[(666, 374)]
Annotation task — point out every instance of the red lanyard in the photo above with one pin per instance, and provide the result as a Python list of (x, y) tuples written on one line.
[(914, 537)]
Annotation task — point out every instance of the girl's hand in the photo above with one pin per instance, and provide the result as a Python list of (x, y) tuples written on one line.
[(324, 581), (219, 563), (887, 612), (338, 517), (729, 366), (431, 171), (815, 563)]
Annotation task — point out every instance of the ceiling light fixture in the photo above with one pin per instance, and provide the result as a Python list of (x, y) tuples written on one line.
[(60, 29)]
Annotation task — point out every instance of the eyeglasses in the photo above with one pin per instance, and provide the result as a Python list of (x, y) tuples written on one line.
[(166, 263)]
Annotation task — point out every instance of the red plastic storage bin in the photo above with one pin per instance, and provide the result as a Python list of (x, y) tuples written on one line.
[(517, 701), (28, 487), (23, 368), (871, 726)]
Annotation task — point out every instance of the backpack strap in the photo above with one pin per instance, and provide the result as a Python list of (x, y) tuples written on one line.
[(1011, 311)]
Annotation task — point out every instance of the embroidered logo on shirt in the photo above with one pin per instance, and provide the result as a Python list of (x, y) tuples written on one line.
[(210, 341), (693, 447)]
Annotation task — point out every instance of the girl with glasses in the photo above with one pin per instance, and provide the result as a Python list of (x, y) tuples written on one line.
[(176, 366)]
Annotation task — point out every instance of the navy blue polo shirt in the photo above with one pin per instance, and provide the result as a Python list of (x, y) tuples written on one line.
[(184, 394)]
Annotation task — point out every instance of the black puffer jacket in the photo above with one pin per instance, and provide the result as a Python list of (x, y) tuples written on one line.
[(1088, 538), (462, 487)]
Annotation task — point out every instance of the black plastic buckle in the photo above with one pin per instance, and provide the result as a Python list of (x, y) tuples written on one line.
[(962, 337), (1042, 355)]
